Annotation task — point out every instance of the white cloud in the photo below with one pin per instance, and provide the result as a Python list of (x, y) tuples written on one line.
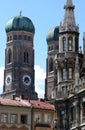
[(39, 81), (1, 78)]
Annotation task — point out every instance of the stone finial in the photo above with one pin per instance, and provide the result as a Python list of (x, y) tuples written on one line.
[(20, 13)]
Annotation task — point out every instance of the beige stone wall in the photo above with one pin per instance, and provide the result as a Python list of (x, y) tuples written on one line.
[(42, 125), (13, 128), (18, 111)]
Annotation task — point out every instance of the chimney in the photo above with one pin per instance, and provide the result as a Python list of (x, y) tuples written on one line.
[(29, 100), (41, 100), (13, 96), (22, 97)]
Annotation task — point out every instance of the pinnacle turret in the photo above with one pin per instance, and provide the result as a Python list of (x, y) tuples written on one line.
[(69, 18)]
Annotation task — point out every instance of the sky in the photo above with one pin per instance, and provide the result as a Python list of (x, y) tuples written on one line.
[(45, 14)]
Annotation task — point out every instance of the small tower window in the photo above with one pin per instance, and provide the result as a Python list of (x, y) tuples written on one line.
[(70, 73), (70, 43), (20, 37), (76, 44), (9, 56), (7, 39), (26, 57), (64, 44), (52, 47), (15, 37), (50, 65), (29, 38), (64, 74), (25, 37), (10, 38)]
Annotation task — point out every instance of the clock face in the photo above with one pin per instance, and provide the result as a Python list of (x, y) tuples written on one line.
[(8, 80), (26, 80)]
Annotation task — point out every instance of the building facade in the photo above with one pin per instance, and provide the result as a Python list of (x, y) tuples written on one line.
[(14, 114), (21, 114), (65, 74), (43, 115), (19, 74)]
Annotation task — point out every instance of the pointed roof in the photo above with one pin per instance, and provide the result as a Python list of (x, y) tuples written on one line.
[(69, 3), (69, 18)]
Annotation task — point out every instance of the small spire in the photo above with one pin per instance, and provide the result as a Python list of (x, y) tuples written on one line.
[(69, 3), (69, 18), (20, 13)]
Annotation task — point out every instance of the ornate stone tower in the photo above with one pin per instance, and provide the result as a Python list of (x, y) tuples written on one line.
[(68, 60), (68, 94), (19, 72), (63, 64)]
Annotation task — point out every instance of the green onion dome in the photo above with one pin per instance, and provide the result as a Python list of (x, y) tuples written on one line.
[(20, 23), (53, 34)]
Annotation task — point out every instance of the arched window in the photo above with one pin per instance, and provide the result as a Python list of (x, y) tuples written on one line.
[(76, 44), (9, 56), (50, 65), (64, 74), (64, 44), (51, 47), (70, 40), (26, 57), (7, 39), (20, 37), (10, 38)]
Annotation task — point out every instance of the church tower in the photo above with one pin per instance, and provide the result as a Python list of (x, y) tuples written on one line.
[(19, 71), (51, 70)]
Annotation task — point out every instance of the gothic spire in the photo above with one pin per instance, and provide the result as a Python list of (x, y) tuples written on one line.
[(69, 18)]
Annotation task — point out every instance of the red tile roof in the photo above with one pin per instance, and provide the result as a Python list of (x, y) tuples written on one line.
[(39, 104), (16, 102)]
